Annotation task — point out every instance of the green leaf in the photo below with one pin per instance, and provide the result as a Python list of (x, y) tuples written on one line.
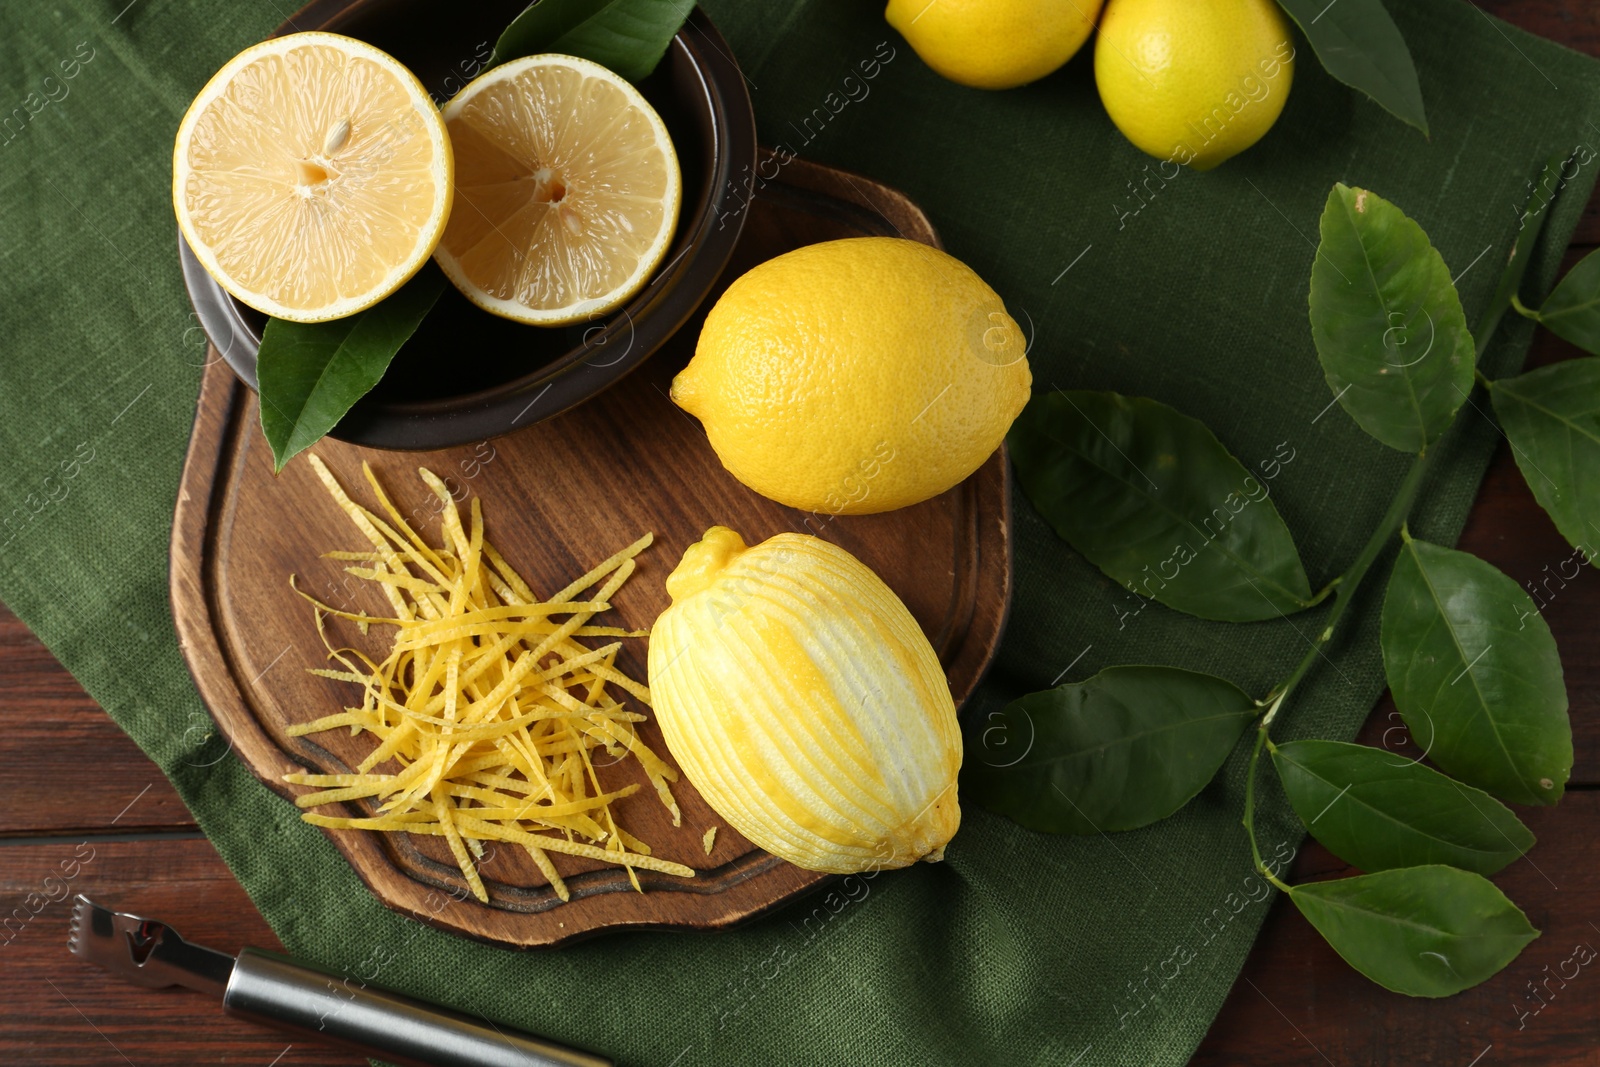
[(310, 374), (1552, 418), (1121, 750), (1538, 211), (1387, 323), (1572, 310), (1476, 675), (628, 36), (1153, 499), (1359, 44), (1423, 931), (1377, 811)]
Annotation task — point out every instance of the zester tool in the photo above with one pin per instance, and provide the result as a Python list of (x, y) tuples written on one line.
[(275, 990)]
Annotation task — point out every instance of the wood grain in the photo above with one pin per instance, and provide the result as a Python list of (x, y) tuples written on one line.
[(558, 497), (1297, 1002), (59, 1011), (52, 730), (1575, 24)]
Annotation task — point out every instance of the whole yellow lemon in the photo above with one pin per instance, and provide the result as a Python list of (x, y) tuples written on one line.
[(856, 376), (1194, 81), (994, 44)]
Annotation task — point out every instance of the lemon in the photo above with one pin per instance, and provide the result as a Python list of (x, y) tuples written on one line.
[(856, 376), (778, 674), (567, 190), (311, 176), (994, 44), (1194, 81)]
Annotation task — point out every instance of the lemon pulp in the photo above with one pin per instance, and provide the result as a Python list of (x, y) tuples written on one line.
[(567, 190), (312, 176)]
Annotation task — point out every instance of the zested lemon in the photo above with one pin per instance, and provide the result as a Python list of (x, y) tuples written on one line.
[(567, 189), (311, 176), (805, 704), (856, 376)]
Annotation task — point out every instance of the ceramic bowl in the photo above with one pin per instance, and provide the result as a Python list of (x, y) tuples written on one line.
[(467, 375)]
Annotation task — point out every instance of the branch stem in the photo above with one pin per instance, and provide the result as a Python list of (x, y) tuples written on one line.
[(1250, 810), (1350, 581), (1523, 309), (1344, 587)]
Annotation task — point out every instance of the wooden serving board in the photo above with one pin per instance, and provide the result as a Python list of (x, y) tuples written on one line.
[(558, 497)]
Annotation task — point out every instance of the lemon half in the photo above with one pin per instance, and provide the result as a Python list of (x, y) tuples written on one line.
[(567, 191), (312, 176)]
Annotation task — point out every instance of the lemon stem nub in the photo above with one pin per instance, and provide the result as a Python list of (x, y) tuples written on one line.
[(703, 561)]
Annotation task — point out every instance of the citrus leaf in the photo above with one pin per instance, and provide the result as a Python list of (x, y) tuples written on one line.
[(1154, 500), (1359, 44), (1537, 212), (628, 36), (311, 373), (1572, 310), (1552, 418), (1476, 675), (1424, 931), (1387, 323), (1123, 749), (1378, 811)]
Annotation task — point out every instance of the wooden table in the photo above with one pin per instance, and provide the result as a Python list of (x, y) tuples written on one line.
[(128, 836)]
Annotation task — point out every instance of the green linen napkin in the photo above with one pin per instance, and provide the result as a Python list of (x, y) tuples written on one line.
[(1020, 948)]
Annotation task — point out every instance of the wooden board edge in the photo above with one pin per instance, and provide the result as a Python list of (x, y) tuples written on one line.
[(192, 613), (907, 219), (212, 447)]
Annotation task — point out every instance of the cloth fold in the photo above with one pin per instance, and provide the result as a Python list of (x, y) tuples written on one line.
[(1190, 288)]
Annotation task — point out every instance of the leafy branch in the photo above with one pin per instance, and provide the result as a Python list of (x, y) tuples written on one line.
[(1158, 503)]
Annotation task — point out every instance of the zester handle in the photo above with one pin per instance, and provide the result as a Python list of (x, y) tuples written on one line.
[(279, 992)]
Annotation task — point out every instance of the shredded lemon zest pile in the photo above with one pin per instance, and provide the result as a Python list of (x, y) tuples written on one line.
[(487, 702)]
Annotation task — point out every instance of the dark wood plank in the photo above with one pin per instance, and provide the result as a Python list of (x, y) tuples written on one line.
[(53, 733), (1298, 1003), (1576, 24), (60, 1011)]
